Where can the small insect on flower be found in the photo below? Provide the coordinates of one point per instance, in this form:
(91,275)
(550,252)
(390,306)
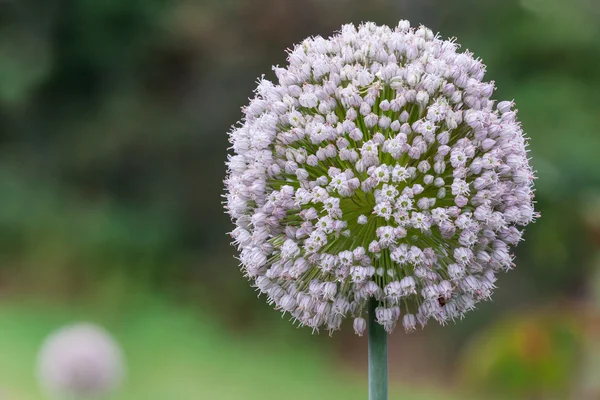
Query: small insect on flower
(377,165)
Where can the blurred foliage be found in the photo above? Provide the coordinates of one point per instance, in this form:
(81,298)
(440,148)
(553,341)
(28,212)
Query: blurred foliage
(533,356)
(117,111)
(113,121)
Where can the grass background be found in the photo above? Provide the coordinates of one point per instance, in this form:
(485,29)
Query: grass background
(175,353)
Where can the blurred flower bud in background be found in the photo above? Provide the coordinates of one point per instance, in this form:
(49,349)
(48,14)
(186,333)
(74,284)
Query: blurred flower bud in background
(80,361)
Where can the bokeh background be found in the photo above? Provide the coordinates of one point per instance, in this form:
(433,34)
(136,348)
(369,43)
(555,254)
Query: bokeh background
(113,121)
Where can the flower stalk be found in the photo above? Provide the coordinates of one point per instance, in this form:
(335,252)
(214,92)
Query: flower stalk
(378,357)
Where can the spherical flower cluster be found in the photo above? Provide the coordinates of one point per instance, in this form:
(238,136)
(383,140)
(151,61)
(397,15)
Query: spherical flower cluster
(80,361)
(377,167)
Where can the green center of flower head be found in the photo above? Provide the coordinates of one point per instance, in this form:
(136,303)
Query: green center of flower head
(378,167)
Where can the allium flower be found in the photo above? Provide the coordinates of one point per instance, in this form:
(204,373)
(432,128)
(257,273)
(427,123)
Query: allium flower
(80,361)
(378,167)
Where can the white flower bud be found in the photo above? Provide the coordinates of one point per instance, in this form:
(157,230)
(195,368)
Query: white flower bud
(360,325)
(403,25)
(384,105)
(422,98)
(365,109)
(409,322)
(505,106)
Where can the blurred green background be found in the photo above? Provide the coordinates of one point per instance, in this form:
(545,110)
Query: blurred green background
(113,121)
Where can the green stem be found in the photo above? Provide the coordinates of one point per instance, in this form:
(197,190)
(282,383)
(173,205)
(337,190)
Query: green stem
(378,358)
